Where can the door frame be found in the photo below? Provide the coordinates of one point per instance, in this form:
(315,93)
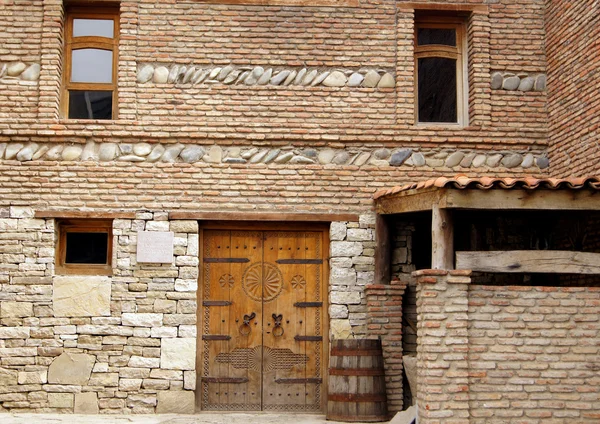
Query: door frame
(320,227)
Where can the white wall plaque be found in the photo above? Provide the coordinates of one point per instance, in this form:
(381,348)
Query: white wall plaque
(155,247)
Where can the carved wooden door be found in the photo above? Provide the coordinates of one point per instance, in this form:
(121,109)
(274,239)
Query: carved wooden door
(262,320)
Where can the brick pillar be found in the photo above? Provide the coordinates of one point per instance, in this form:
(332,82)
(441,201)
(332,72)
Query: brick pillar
(442,346)
(384,319)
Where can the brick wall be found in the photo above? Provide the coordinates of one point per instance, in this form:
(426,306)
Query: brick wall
(534,354)
(573,101)
(376,36)
(510,354)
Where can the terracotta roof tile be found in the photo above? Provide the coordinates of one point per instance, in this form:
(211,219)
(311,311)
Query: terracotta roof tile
(486,183)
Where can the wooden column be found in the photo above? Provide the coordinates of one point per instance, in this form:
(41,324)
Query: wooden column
(383,251)
(442,239)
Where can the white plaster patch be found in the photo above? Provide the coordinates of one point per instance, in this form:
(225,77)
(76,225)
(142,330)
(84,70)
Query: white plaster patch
(155,247)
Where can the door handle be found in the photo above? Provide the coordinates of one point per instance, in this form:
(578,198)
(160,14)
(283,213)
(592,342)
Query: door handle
(245,328)
(277,328)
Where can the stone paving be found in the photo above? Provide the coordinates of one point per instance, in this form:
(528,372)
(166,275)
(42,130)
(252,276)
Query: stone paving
(200,418)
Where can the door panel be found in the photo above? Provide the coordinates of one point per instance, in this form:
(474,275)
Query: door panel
(262,344)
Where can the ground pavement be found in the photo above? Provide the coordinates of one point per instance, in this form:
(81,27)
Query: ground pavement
(200,418)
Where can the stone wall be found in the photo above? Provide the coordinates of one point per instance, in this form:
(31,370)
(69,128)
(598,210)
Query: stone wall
(510,354)
(352,266)
(89,344)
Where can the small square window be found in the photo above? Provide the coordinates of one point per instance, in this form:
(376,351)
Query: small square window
(439,64)
(91,57)
(84,247)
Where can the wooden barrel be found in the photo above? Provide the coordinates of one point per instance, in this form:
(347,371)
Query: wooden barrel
(356,382)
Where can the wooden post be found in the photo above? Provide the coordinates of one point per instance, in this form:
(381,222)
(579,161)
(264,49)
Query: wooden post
(442,239)
(383,251)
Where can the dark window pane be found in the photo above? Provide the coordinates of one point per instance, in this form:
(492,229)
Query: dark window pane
(443,36)
(92,65)
(93,27)
(86,248)
(90,104)
(437,90)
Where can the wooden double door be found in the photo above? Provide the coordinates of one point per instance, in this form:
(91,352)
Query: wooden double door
(262,320)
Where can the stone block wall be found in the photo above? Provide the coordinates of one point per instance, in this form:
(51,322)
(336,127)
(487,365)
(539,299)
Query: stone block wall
(506,354)
(89,344)
(352,267)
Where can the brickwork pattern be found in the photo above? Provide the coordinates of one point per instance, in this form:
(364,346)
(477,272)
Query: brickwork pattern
(534,354)
(375,36)
(384,320)
(573,102)
(442,352)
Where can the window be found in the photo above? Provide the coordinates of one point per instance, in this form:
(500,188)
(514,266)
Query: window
(90,71)
(84,247)
(439,66)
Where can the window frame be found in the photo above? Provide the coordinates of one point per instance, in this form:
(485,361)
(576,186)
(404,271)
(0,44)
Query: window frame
(65,226)
(90,42)
(458,53)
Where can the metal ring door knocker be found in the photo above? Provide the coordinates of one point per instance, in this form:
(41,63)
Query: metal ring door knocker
(245,328)
(277,328)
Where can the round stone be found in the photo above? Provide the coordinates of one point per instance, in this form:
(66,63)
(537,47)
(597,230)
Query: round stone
(107,152)
(187,77)
(371,79)
(319,78)
(399,157)
(454,159)
(527,161)
(15,69)
(280,77)
(335,79)
(170,154)
(145,74)
(156,153)
(173,74)
(12,150)
(497,81)
(224,72)
(161,75)
(55,152)
(386,81)
(72,153)
(310,77)
(192,154)
(26,154)
(232,76)
(301,159)
(142,149)
(290,78)
(511,83)
(32,73)
(355,80)
(418,159)
(271,155)
(214,155)
(479,161)
(326,156)
(259,156)
(540,83)
(265,77)
(131,158)
(526,84)
(362,158)
(493,160)
(512,161)
(89,152)
(467,160)
(542,162)
(381,153)
(254,75)
(300,76)
(341,158)
(285,157)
